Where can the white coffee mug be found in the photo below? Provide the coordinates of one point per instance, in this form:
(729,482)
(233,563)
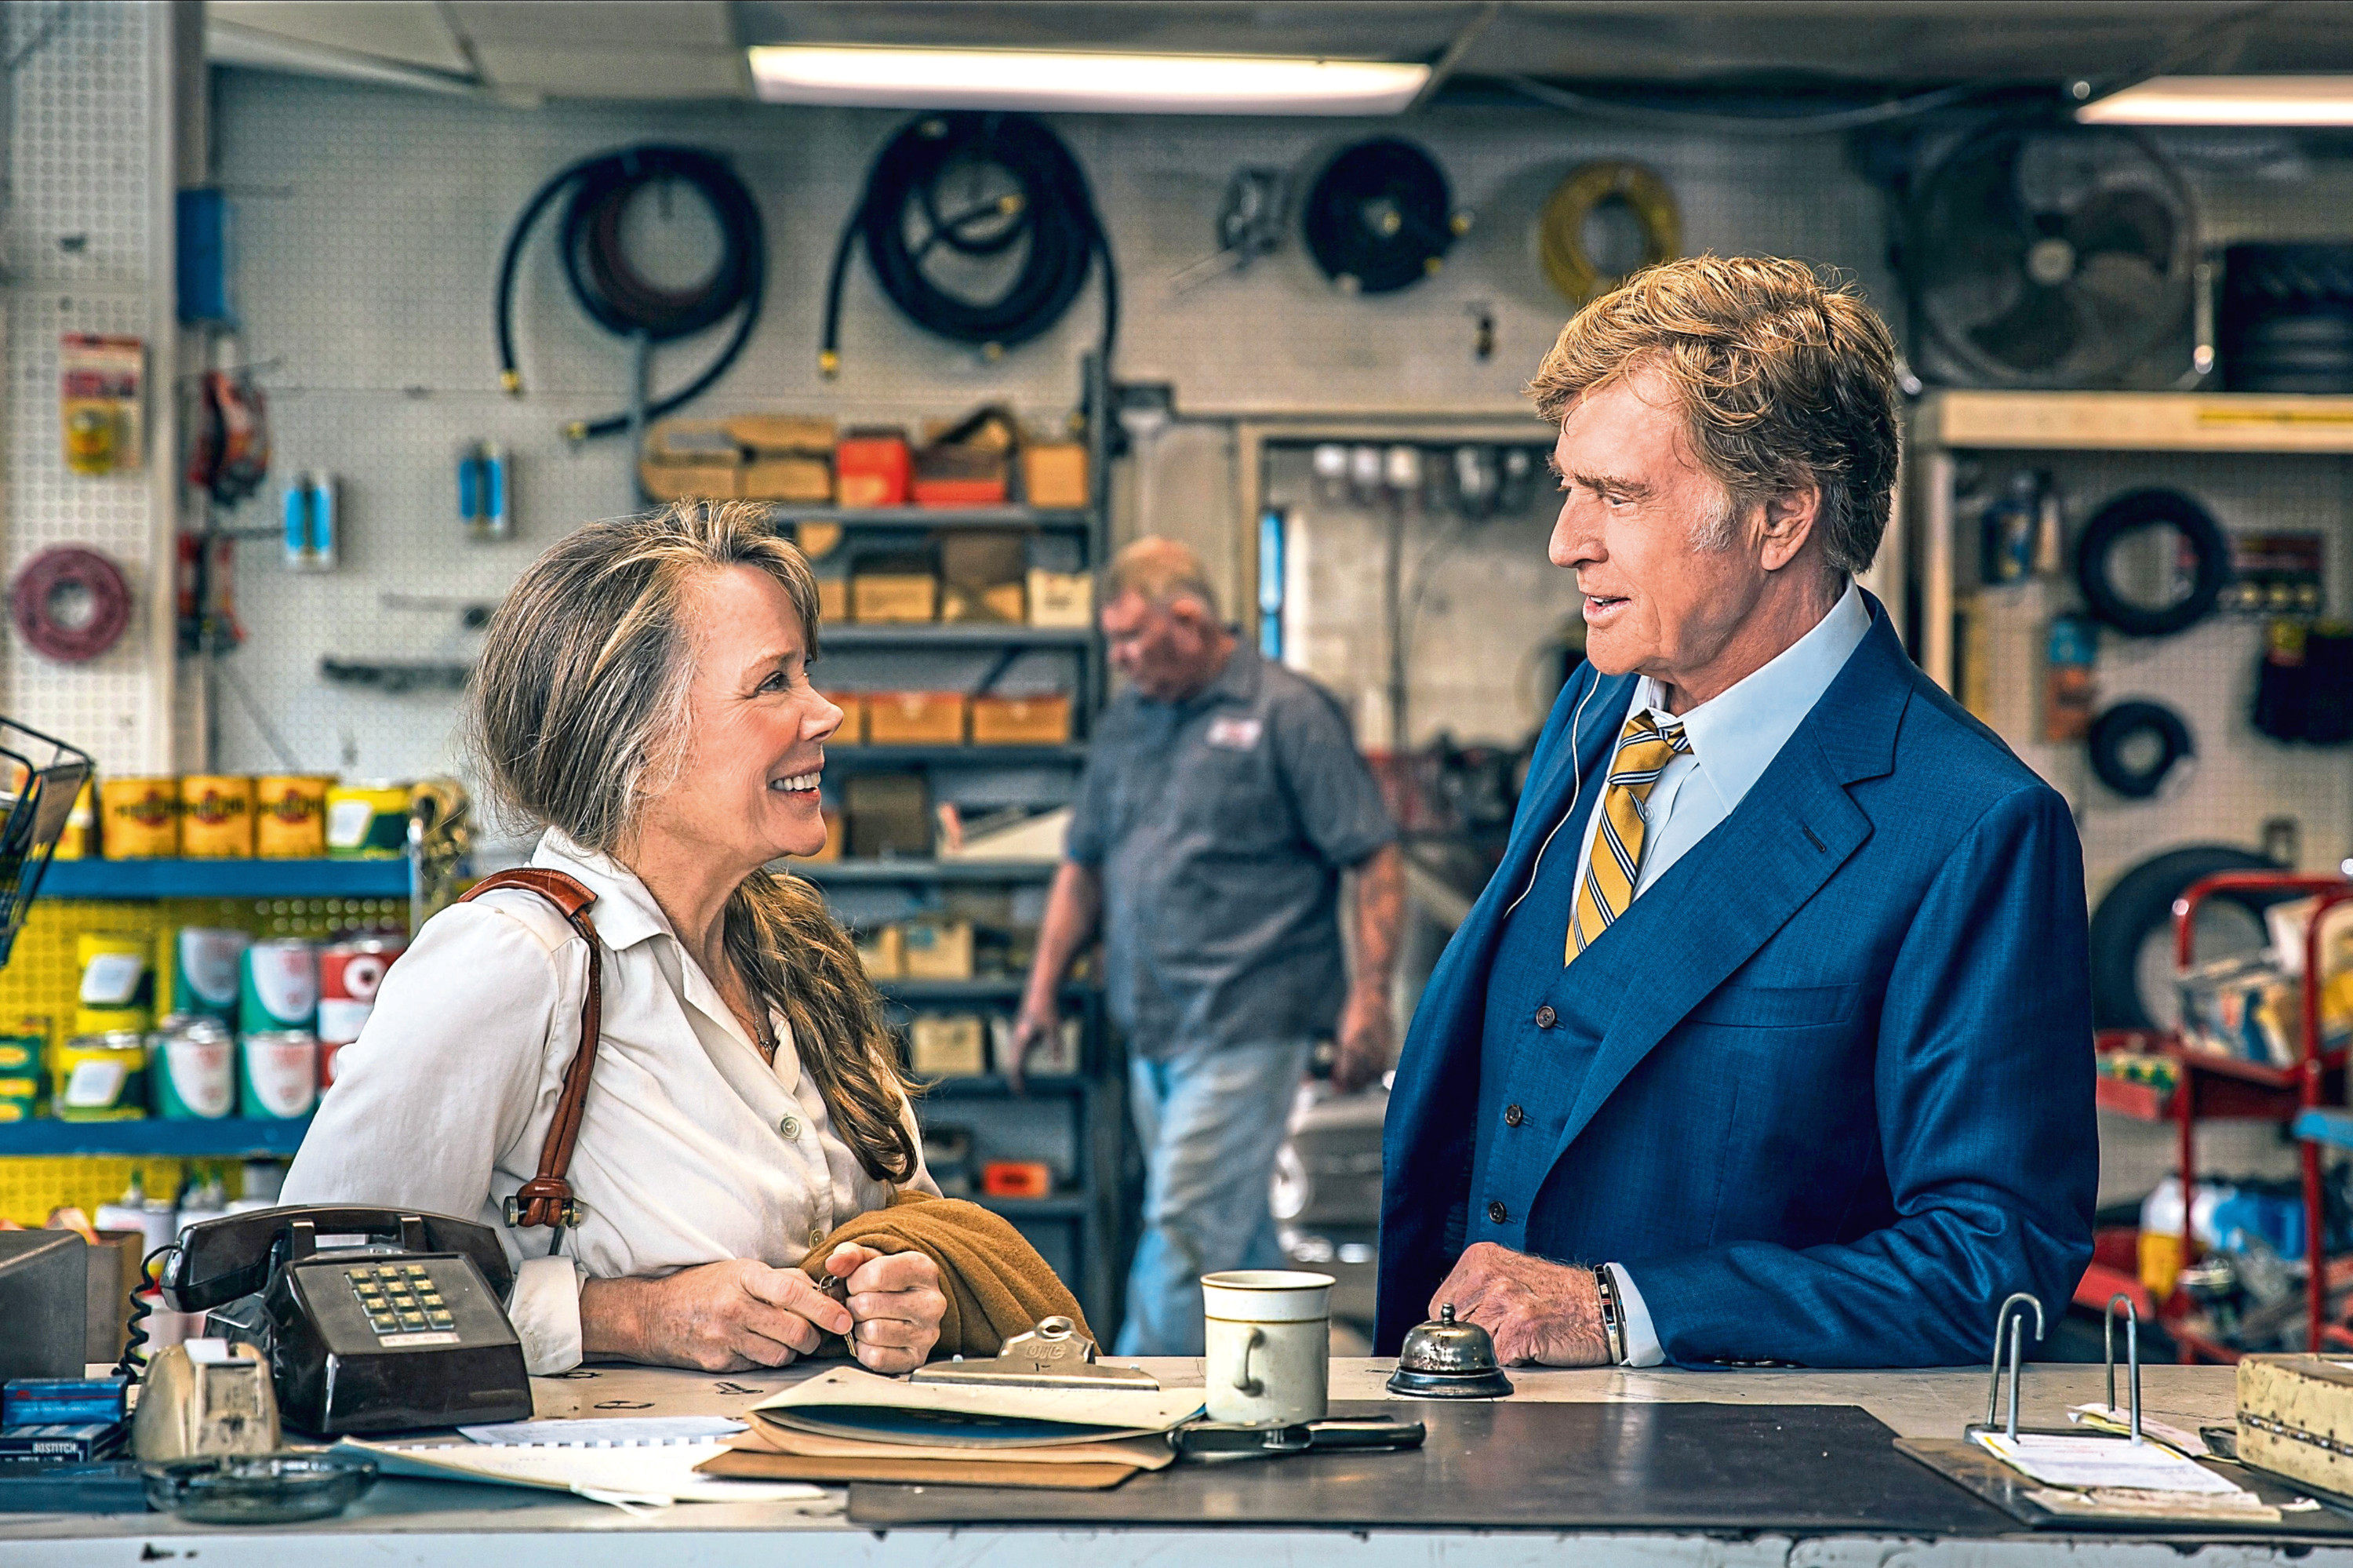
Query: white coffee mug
(1270,1344)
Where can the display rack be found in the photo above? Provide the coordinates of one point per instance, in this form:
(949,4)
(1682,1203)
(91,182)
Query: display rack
(1083,1222)
(2302,1096)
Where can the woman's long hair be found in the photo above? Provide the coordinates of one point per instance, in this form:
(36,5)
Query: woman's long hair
(577,714)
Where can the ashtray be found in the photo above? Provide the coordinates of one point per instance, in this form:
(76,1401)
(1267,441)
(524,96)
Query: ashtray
(259,1488)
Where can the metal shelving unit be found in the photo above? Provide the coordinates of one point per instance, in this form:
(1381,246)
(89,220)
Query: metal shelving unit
(226,879)
(1088,1106)
(229,1138)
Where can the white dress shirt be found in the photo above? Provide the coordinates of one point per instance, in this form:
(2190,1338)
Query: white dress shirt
(1734,736)
(692,1148)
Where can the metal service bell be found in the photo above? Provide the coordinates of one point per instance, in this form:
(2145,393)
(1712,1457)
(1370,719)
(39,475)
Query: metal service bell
(1447,1359)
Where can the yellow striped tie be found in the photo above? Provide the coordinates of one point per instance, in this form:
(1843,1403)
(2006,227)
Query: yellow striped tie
(1616,862)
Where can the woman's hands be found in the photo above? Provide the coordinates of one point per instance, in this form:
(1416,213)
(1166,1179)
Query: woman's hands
(896,1300)
(716,1317)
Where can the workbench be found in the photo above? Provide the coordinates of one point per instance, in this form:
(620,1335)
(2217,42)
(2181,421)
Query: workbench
(404,1523)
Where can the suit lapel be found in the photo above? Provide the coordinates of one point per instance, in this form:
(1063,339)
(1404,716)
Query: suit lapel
(1724,899)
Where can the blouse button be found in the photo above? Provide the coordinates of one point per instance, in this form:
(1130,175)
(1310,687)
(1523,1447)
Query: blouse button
(1545,1017)
(791,1127)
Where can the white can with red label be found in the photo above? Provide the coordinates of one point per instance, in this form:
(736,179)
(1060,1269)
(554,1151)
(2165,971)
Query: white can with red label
(349,976)
(280,1077)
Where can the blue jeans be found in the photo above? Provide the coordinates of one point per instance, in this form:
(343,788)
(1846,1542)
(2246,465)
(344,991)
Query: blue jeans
(1211,1120)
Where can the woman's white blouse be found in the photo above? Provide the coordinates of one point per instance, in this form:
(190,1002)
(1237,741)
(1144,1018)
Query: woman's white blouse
(692,1148)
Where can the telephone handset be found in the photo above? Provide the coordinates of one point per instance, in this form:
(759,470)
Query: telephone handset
(374,1319)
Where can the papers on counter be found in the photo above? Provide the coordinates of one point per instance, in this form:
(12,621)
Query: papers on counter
(654,1476)
(619,1432)
(2082,1464)
(851,1402)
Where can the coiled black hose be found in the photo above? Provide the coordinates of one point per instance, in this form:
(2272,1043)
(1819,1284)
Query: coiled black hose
(618,298)
(1051,207)
(136,1326)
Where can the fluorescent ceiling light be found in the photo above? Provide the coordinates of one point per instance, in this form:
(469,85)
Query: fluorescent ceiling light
(2227,100)
(1127,84)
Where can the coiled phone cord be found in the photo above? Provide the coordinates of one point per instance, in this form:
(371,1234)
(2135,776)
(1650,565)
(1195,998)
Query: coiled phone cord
(128,1366)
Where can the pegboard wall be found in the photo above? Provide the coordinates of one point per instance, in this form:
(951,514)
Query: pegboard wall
(82,250)
(2241,777)
(369,226)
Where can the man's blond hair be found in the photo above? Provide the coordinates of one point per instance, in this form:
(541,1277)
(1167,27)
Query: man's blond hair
(1162,571)
(1779,379)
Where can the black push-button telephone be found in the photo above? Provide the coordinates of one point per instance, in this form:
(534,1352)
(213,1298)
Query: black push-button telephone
(374,1319)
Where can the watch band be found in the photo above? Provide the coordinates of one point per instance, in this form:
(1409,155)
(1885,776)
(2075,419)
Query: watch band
(1613,1321)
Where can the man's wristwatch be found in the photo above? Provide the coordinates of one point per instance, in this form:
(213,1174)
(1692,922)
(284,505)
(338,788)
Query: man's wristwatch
(1613,1321)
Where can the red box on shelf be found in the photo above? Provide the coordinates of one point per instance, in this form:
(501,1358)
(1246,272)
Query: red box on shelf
(1017,1179)
(871,467)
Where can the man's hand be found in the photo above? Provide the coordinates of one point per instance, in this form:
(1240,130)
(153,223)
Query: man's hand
(1367,1039)
(895,1298)
(1036,1024)
(1548,1313)
(716,1317)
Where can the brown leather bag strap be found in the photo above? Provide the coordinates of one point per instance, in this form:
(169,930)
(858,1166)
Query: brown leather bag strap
(546,1198)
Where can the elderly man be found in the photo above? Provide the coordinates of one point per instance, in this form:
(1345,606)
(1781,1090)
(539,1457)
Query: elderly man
(1770,1039)
(1222,801)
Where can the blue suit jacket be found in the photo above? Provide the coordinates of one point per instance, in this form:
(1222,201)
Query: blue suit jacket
(1836,1091)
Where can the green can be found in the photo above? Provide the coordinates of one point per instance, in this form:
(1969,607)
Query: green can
(192,1070)
(277,1077)
(280,986)
(207,963)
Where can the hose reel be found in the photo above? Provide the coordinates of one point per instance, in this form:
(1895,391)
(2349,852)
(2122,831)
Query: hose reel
(1560,235)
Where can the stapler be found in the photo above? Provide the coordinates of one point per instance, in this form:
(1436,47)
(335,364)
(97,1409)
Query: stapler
(1054,1354)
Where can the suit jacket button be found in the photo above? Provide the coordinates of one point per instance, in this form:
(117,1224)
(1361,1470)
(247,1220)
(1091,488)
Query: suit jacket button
(1513,1115)
(1546,1016)
(1497,1213)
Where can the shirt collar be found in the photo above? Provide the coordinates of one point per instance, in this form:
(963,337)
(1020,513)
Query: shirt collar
(625,912)
(1236,682)
(1735,735)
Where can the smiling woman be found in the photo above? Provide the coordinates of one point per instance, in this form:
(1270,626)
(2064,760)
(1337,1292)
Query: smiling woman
(643,696)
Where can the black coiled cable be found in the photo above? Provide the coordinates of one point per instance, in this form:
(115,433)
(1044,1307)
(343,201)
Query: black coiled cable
(615,295)
(136,1326)
(1051,208)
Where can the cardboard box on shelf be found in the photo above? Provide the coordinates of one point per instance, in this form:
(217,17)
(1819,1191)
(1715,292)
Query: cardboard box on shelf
(893,598)
(1005,603)
(1062,598)
(983,558)
(890,813)
(1021,720)
(1054,476)
(914,718)
(769,477)
(833,599)
(947,1045)
(1055,1057)
(937,950)
(818,540)
(966,462)
(883,952)
(798,435)
(854,717)
(872,468)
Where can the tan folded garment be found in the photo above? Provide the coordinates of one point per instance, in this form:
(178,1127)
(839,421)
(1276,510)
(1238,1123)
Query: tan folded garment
(996,1283)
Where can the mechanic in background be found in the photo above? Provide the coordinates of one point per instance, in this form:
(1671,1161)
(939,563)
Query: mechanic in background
(1222,801)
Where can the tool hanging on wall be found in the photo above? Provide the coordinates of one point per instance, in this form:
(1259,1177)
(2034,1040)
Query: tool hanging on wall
(619,298)
(982,187)
(1568,264)
(1250,220)
(2129,514)
(482,503)
(2286,318)
(1379,217)
(2305,683)
(312,526)
(229,456)
(70,604)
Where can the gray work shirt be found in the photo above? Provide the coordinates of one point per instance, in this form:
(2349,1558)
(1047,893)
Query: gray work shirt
(1219,827)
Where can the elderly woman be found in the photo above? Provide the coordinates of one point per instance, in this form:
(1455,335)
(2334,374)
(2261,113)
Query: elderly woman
(644,696)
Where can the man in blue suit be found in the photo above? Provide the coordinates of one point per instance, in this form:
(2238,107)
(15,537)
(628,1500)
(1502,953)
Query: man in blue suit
(1770,1039)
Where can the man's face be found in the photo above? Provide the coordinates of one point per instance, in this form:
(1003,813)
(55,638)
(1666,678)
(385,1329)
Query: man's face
(1634,499)
(1163,649)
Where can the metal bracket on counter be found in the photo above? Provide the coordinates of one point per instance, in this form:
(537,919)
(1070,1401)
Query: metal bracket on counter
(2009,1323)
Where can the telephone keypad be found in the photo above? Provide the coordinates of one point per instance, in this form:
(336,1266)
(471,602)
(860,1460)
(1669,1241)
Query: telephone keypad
(400,1298)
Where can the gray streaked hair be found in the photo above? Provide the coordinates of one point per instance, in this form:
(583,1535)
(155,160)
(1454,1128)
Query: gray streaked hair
(577,716)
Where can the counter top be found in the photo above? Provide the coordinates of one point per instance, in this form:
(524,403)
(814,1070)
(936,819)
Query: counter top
(403,1522)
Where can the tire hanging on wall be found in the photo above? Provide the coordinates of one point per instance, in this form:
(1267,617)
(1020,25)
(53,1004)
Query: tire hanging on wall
(2113,733)
(2139,906)
(1560,234)
(2127,514)
(70,569)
